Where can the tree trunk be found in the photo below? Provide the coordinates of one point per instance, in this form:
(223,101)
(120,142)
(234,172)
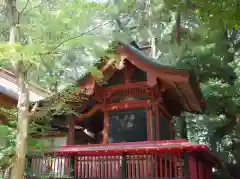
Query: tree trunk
(23,96)
(22,128)
(178,28)
(152,38)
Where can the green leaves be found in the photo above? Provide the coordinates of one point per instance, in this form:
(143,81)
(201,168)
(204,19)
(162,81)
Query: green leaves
(6,131)
(8,136)
(96,73)
(29,54)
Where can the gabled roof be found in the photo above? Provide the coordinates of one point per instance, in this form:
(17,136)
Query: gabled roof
(9,87)
(182,89)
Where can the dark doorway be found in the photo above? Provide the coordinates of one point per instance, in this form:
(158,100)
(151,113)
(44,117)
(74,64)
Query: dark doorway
(127,126)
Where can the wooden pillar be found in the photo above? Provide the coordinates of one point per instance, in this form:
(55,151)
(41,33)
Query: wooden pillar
(171,128)
(157,122)
(71,131)
(193,174)
(123,168)
(186,164)
(97,137)
(200,169)
(149,124)
(167,115)
(154,125)
(105,127)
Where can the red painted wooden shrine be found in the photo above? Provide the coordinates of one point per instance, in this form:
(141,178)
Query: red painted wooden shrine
(130,114)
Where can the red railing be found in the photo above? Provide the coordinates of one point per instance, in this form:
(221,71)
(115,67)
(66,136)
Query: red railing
(168,159)
(136,166)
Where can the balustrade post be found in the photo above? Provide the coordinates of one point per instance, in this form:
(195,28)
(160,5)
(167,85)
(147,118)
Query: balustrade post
(124,166)
(186,165)
(72,166)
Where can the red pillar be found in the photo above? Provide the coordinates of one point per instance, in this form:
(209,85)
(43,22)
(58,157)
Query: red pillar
(200,170)
(105,127)
(71,131)
(149,124)
(193,168)
(169,118)
(157,122)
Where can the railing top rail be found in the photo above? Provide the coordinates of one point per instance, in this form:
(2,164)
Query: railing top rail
(174,147)
(131,147)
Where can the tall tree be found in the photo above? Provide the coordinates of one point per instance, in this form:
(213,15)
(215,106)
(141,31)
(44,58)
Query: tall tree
(13,16)
(36,32)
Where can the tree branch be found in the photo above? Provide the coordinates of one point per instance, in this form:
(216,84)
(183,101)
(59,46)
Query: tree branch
(75,37)
(34,7)
(34,108)
(122,25)
(24,8)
